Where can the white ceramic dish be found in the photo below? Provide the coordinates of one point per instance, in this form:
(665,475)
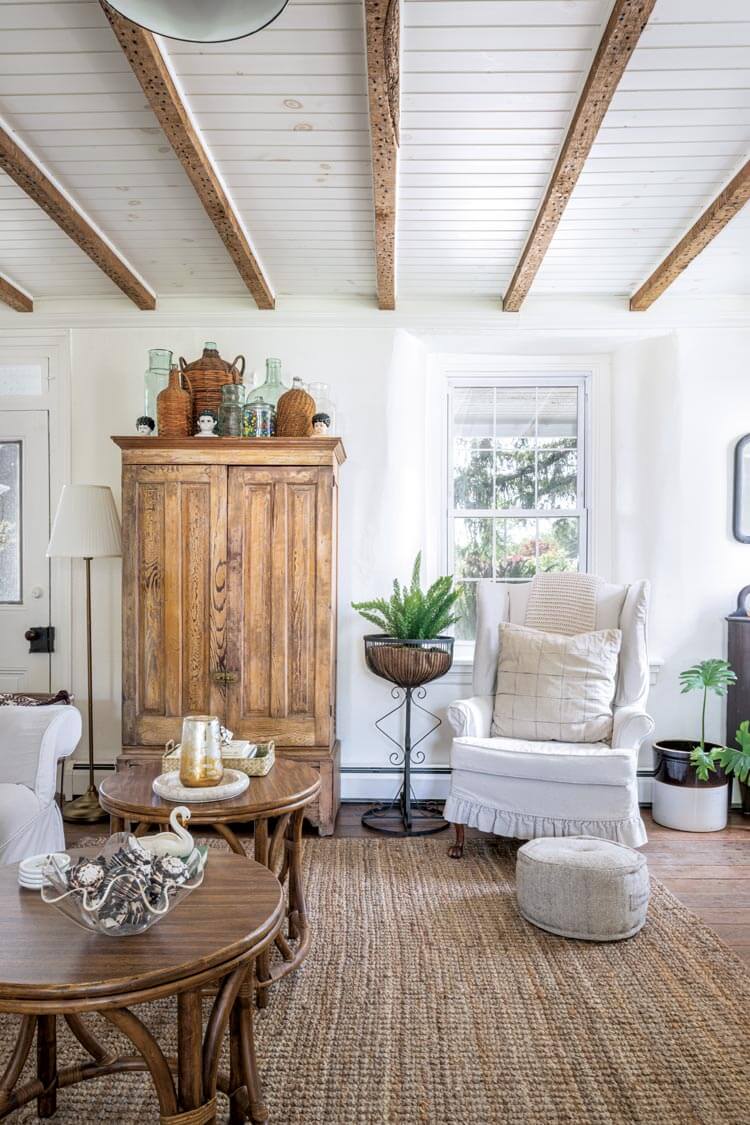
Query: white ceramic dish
(30,869)
(167,785)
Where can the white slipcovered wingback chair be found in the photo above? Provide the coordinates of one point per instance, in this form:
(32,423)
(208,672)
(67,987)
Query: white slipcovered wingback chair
(525,789)
(32,741)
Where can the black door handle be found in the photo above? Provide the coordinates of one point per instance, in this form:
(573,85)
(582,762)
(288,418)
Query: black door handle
(41,638)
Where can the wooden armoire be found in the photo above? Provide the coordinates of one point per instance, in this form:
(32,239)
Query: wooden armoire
(229,594)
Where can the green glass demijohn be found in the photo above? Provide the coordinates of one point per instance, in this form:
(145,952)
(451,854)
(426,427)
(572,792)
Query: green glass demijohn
(156,378)
(273,388)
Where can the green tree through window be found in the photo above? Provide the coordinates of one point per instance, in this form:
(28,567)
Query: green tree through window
(516,485)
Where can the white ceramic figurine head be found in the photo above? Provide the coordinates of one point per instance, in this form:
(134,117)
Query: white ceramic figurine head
(207,424)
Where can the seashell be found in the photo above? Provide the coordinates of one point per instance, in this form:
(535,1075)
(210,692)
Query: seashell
(87,874)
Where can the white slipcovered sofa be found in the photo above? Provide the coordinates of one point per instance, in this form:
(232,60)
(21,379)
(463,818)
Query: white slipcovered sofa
(32,741)
(525,789)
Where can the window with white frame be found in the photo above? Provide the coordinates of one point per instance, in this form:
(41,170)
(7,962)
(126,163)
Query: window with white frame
(517,495)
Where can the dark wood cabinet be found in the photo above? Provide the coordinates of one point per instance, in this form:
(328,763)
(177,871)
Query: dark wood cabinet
(229,594)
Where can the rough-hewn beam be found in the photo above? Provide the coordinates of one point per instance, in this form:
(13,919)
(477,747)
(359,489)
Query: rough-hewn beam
(14,297)
(623,30)
(726,205)
(155,77)
(32,178)
(383,83)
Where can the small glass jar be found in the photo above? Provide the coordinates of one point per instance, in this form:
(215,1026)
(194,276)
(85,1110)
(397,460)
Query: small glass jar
(258,418)
(200,752)
(324,404)
(155,379)
(230,410)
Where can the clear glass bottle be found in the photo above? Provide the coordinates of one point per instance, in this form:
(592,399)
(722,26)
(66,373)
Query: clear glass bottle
(230,410)
(324,404)
(273,388)
(155,379)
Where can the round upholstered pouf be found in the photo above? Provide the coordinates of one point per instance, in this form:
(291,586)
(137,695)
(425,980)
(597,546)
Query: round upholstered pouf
(582,887)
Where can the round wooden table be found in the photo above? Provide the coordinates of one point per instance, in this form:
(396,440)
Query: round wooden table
(51,967)
(129,798)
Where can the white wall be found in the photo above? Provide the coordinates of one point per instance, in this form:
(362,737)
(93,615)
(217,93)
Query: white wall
(680,399)
(680,403)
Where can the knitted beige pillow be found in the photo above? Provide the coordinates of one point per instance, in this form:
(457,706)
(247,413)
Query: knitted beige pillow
(555,688)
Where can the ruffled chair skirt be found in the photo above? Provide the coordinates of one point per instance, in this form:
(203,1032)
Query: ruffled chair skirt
(525,809)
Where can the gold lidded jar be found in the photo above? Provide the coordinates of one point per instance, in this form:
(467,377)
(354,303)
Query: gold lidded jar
(200,752)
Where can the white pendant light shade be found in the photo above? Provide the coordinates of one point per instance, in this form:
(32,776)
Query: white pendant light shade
(86,524)
(201,21)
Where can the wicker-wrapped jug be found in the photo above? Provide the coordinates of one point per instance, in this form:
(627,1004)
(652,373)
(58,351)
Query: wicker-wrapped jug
(294,413)
(174,407)
(207,376)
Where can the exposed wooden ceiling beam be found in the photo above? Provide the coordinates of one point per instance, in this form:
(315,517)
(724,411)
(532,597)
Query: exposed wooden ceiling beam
(623,30)
(726,205)
(16,298)
(152,71)
(383,25)
(35,181)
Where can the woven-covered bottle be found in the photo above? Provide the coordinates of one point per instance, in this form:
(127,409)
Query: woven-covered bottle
(207,376)
(174,407)
(294,413)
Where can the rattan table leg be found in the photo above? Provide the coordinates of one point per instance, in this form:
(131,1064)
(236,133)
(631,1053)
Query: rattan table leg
(189,1049)
(263,961)
(46,1064)
(245,1054)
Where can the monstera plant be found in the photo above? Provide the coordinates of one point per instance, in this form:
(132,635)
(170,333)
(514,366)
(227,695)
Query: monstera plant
(690,782)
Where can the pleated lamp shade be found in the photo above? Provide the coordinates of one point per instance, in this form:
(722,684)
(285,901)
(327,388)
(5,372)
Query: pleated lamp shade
(86,524)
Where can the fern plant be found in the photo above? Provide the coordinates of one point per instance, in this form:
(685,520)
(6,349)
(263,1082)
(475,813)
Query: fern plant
(412,613)
(713,676)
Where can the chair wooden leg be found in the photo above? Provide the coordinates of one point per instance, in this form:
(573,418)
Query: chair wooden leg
(457,849)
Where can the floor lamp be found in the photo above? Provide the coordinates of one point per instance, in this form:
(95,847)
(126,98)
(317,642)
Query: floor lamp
(86,527)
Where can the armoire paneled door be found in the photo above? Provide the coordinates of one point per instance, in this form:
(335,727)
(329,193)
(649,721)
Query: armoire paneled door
(229,594)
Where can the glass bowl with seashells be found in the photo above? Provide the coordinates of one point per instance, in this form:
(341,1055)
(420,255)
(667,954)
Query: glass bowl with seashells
(131,883)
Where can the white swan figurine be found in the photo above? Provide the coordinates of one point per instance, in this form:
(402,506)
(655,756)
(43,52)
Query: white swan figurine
(179,842)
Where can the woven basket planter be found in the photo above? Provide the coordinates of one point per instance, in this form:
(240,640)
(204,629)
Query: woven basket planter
(207,376)
(408,663)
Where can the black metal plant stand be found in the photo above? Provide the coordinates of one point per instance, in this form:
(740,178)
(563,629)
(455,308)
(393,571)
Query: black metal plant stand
(409,665)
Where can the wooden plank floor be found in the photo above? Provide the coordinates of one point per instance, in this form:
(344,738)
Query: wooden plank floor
(708,871)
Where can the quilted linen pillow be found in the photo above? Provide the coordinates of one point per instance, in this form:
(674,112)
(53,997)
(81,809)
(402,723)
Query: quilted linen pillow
(555,688)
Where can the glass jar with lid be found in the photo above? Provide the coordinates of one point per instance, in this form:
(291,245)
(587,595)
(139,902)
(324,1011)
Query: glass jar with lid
(230,410)
(258,418)
(156,378)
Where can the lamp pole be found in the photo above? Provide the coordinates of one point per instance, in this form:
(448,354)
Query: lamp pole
(87,807)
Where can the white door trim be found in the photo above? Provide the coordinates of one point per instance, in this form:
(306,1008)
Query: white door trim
(54,347)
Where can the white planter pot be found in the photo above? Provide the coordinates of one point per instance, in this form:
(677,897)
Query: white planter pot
(690,808)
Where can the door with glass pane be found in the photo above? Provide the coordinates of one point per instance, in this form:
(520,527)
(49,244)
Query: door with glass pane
(24,534)
(516,487)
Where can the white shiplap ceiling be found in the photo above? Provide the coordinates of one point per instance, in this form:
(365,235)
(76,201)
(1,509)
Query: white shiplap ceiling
(488,88)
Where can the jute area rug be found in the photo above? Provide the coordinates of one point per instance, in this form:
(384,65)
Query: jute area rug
(426,1000)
